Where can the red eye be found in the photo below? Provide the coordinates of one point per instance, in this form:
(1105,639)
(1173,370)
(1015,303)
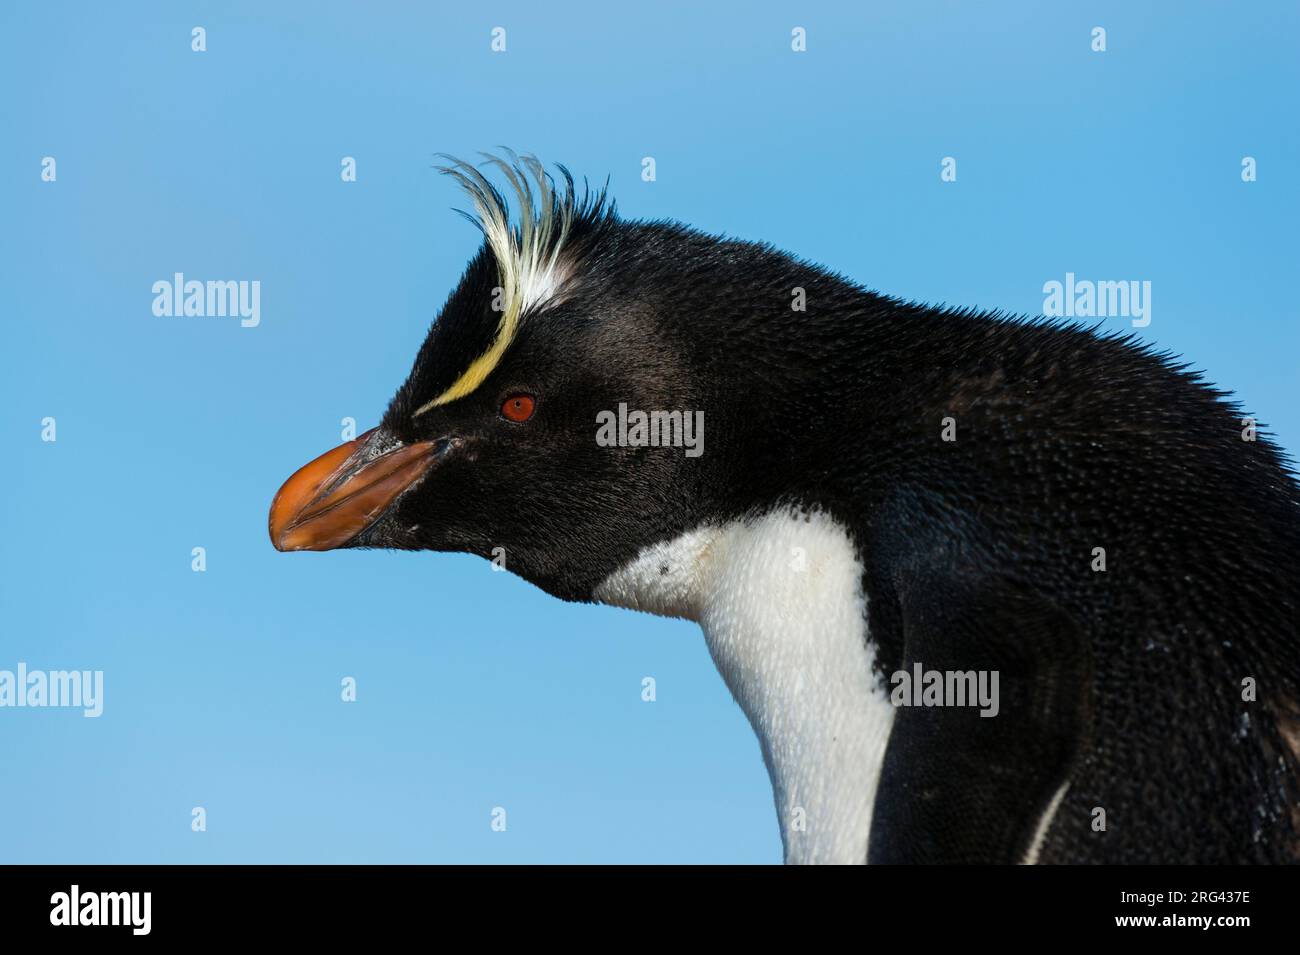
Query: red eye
(518,407)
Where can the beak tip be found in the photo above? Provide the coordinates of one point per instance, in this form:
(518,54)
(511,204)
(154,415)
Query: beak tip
(284,545)
(279,521)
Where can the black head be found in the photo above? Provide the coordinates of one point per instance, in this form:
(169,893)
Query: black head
(564,329)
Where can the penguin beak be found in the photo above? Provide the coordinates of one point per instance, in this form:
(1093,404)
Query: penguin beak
(331,500)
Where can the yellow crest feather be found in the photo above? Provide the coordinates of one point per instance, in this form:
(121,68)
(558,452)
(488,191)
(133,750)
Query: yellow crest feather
(527,255)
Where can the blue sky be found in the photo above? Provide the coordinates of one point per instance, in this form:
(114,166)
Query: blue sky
(475,690)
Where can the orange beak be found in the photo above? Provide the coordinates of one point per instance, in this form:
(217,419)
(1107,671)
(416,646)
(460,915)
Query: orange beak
(337,496)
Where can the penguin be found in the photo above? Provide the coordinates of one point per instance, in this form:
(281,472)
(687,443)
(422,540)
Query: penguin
(886,503)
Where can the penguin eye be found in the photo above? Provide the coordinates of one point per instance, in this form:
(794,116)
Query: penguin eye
(518,407)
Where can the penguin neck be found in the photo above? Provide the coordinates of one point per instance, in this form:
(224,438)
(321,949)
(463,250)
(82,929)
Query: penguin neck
(780,601)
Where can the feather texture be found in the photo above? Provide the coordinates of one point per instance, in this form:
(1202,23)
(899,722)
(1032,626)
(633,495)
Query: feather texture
(528,254)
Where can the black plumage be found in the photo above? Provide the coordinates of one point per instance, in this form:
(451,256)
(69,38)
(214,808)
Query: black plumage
(976,553)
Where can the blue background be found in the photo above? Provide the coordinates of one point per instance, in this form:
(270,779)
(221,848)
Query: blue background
(475,689)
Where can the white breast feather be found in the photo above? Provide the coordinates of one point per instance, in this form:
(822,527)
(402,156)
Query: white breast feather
(780,601)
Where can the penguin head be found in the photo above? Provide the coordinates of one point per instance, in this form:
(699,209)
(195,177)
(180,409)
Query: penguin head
(492,446)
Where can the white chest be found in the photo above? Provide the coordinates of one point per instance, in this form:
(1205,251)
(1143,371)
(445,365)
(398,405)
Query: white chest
(780,602)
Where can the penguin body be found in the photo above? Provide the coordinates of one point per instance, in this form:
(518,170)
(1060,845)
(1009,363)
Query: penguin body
(885,486)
